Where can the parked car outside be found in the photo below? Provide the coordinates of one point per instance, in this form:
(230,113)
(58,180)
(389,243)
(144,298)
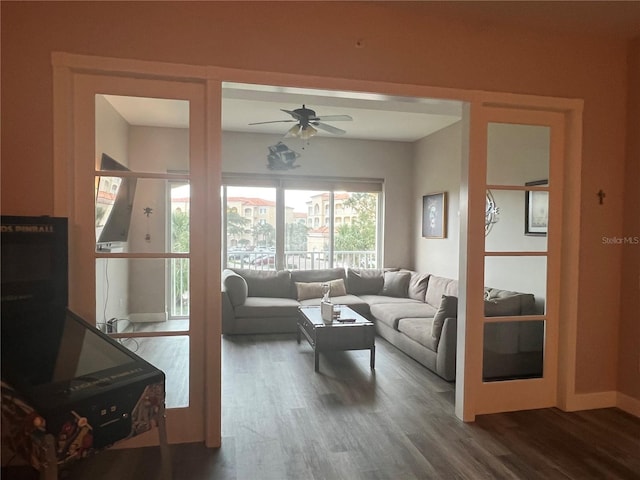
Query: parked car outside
(265,260)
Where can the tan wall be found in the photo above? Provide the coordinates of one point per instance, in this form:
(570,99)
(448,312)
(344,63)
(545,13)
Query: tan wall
(340,157)
(629,350)
(437,164)
(402,43)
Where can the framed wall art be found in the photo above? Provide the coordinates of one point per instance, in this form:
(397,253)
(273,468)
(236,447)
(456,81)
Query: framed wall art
(536,209)
(434,215)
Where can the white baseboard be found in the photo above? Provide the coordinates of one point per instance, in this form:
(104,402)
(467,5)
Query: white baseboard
(628,404)
(591,401)
(148,317)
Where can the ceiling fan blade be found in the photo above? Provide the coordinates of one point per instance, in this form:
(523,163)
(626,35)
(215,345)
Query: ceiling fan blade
(293,114)
(334,118)
(272,121)
(329,128)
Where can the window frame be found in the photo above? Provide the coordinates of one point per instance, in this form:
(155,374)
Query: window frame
(282,184)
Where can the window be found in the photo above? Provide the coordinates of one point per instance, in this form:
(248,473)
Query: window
(178,295)
(301,228)
(249,239)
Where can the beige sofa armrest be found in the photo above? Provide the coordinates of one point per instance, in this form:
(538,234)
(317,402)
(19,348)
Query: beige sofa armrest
(234,292)
(235,286)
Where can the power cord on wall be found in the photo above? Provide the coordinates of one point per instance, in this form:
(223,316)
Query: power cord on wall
(111,326)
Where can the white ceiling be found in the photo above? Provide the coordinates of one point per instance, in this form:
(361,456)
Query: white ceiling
(377,117)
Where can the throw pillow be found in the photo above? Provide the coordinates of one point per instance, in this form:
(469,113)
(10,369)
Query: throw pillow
(322,275)
(338,288)
(396,284)
(448,309)
(307,290)
(418,286)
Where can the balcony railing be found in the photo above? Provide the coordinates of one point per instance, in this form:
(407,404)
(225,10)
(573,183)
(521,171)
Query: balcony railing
(179,285)
(302,260)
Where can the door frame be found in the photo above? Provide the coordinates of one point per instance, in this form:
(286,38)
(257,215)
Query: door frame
(65,65)
(184,424)
(523,394)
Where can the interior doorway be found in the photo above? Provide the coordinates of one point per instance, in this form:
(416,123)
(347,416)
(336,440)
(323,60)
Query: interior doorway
(472,198)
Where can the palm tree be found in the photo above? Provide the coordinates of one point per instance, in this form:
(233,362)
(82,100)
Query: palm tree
(266,231)
(236,223)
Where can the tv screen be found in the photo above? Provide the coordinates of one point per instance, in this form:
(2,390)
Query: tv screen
(114,203)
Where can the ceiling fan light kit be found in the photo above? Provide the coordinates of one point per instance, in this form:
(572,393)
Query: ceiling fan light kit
(305,133)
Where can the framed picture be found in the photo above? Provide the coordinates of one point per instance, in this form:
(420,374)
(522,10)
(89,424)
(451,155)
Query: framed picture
(434,215)
(536,210)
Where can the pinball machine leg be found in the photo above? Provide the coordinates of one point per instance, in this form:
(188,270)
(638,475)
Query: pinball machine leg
(165,454)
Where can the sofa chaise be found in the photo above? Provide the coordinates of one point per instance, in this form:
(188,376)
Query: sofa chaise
(416,312)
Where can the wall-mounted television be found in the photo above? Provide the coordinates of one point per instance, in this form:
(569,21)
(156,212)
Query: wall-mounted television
(114,204)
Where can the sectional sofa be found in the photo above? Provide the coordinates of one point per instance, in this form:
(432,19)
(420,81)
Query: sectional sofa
(416,312)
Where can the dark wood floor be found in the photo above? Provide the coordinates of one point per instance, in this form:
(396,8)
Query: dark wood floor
(283,421)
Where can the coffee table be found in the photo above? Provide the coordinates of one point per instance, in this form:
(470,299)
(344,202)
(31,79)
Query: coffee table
(358,334)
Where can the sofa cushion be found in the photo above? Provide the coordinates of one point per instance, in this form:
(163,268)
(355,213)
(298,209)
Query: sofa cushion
(312,276)
(306,290)
(235,286)
(419,329)
(396,284)
(448,309)
(527,300)
(518,304)
(364,281)
(390,313)
(267,307)
(377,299)
(266,283)
(439,286)
(418,286)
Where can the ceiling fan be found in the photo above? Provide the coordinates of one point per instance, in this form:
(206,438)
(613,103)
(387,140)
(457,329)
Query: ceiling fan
(306,119)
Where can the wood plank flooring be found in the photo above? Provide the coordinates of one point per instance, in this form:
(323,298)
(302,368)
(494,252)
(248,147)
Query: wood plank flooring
(283,421)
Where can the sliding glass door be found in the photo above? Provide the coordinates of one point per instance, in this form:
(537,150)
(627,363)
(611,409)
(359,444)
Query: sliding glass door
(307,229)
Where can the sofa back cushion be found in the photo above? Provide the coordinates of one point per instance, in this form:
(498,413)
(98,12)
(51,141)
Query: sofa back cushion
(396,284)
(313,276)
(439,286)
(510,305)
(365,281)
(266,283)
